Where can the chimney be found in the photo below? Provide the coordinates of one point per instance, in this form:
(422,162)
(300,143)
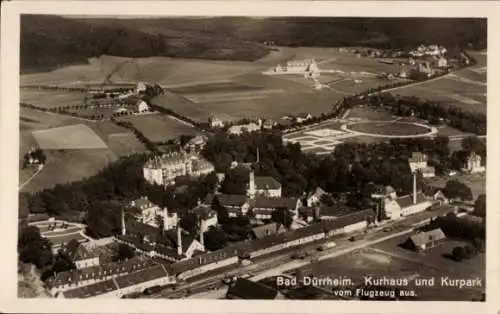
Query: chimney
(258,155)
(251,184)
(179,241)
(165,218)
(414,187)
(124,228)
(202,237)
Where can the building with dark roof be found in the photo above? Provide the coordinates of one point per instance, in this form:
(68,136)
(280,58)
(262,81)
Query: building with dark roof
(333,212)
(314,198)
(77,278)
(235,204)
(202,263)
(133,282)
(262,206)
(269,229)
(249,290)
(267,186)
(425,240)
(75,252)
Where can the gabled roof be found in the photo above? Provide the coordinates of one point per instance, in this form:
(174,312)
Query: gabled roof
(335,211)
(247,289)
(134,278)
(407,200)
(427,237)
(91,290)
(232,199)
(186,239)
(75,251)
(204,259)
(317,193)
(266,183)
(269,229)
(275,202)
(97,272)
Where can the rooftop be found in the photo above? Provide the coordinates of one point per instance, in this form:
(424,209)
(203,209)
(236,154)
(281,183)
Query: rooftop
(427,237)
(266,183)
(275,202)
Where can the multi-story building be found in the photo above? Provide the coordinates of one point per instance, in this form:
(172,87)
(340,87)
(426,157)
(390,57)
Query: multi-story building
(163,170)
(473,163)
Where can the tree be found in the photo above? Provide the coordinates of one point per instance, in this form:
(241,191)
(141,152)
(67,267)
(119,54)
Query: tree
(190,223)
(455,189)
(215,239)
(124,252)
(33,248)
(480,206)
(458,253)
(282,216)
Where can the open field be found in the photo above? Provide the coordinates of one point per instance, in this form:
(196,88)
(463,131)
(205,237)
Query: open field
(158,128)
(69,165)
(160,70)
(50,98)
(231,89)
(388,128)
(77,136)
(388,259)
(465,88)
(111,134)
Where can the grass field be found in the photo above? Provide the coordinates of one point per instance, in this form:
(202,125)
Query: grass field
(77,136)
(69,165)
(465,88)
(50,98)
(230,89)
(388,128)
(66,166)
(388,259)
(158,128)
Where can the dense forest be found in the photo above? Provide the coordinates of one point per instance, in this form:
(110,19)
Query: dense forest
(49,42)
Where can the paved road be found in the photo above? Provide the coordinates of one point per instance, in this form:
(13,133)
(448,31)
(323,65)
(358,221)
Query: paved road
(275,264)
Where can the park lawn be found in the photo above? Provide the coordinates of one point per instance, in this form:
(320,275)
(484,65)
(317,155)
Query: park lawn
(159,127)
(388,128)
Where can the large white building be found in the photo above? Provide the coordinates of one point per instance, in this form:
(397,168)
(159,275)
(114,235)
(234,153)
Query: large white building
(149,213)
(418,162)
(396,207)
(473,164)
(263,185)
(163,170)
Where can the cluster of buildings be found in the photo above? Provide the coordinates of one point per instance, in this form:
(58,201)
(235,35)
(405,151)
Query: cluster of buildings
(252,126)
(163,170)
(308,67)
(428,50)
(473,164)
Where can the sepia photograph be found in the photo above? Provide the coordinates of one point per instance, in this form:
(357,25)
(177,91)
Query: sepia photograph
(240,157)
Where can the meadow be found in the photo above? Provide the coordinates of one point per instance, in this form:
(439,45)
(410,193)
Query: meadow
(159,128)
(50,98)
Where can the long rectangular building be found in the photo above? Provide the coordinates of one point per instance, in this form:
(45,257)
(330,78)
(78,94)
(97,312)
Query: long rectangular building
(119,286)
